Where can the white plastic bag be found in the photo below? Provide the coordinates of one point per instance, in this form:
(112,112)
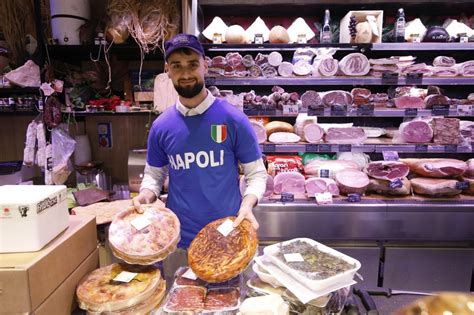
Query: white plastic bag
(63,148)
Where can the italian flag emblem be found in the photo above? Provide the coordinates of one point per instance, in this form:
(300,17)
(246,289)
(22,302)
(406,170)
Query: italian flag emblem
(218,133)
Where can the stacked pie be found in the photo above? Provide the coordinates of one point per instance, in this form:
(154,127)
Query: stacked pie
(214,257)
(147,245)
(99,292)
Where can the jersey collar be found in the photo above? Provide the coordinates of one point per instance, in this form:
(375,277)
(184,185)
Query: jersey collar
(198,110)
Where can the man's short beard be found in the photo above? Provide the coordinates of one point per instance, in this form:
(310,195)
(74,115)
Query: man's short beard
(189,92)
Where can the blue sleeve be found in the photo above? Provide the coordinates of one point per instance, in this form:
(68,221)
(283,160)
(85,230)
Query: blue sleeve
(156,156)
(246,146)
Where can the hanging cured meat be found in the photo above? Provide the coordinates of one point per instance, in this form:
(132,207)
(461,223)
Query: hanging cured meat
(214,257)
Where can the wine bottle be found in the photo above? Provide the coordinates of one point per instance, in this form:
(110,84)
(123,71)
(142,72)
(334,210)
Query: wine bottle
(400,26)
(326,34)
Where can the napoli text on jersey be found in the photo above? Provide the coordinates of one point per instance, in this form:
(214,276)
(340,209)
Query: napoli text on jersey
(202,152)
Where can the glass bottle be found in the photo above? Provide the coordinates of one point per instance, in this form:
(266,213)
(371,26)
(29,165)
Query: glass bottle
(400,26)
(326,34)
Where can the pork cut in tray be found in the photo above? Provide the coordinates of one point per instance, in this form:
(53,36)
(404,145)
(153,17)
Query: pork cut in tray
(352,135)
(387,170)
(435,187)
(352,182)
(383,187)
(355,64)
(436,167)
(289,182)
(318,185)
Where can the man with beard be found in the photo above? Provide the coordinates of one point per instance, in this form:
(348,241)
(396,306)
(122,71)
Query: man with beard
(199,142)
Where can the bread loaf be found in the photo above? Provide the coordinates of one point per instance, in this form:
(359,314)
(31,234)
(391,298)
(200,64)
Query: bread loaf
(278,126)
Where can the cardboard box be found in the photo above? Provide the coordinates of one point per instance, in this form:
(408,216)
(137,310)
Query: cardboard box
(28,279)
(63,299)
(31,216)
(361,16)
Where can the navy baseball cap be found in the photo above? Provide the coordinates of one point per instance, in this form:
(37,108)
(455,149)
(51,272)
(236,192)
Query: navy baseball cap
(183,41)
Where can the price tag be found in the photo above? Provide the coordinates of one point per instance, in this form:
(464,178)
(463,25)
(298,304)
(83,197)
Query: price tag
(210,81)
(451,148)
(189,274)
(296,257)
(409,112)
(323,198)
(353,197)
(318,111)
(258,39)
(389,77)
(464,110)
(416,39)
(338,110)
(324,148)
(324,173)
(464,39)
(287,197)
(217,38)
(302,39)
(226,227)
(390,155)
(440,110)
(414,78)
(421,148)
(365,110)
(140,223)
(462,185)
(269,148)
(396,183)
(290,109)
(311,148)
(125,276)
(345,148)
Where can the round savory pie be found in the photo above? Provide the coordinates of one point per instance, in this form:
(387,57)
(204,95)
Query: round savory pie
(149,244)
(214,257)
(98,292)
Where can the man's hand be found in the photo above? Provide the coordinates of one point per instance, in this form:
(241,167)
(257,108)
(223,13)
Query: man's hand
(145,196)
(246,211)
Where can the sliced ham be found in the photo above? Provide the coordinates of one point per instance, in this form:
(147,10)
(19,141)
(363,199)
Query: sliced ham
(316,185)
(444,61)
(268,189)
(352,135)
(382,187)
(355,64)
(313,133)
(436,167)
(260,131)
(416,131)
(289,182)
(337,97)
(435,187)
(444,71)
(284,137)
(446,130)
(327,67)
(470,168)
(285,69)
(409,102)
(387,170)
(352,182)
(310,99)
(325,168)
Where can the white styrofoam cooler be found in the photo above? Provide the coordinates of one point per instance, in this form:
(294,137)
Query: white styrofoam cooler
(31,216)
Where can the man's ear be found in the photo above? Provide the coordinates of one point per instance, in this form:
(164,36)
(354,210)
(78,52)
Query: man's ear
(167,70)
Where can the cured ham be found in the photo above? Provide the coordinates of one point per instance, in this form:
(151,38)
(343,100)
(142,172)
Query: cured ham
(382,187)
(317,185)
(324,168)
(387,170)
(436,167)
(444,61)
(352,182)
(289,182)
(327,67)
(337,97)
(352,135)
(435,187)
(416,131)
(466,69)
(313,133)
(355,64)
(446,130)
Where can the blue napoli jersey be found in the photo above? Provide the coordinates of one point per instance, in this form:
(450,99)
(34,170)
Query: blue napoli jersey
(202,152)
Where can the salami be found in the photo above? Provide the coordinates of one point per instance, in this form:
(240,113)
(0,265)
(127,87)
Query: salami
(354,64)
(446,130)
(269,72)
(217,258)
(275,59)
(310,99)
(261,59)
(328,67)
(285,69)
(52,112)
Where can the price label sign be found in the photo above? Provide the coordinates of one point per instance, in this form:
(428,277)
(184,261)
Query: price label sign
(269,147)
(365,110)
(226,227)
(421,148)
(440,110)
(125,276)
(414,78)
(311,148)
(140,223)
(462,185)
(389,77)
(464,110)
(296,257)
(290,109)
(317,111)
(451,148)
(390,155)
(411,112)
(324,173)
(323,198)
(338,110)
(396,183)
(287,197)
(324,148)
(345,148)
(353,197)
